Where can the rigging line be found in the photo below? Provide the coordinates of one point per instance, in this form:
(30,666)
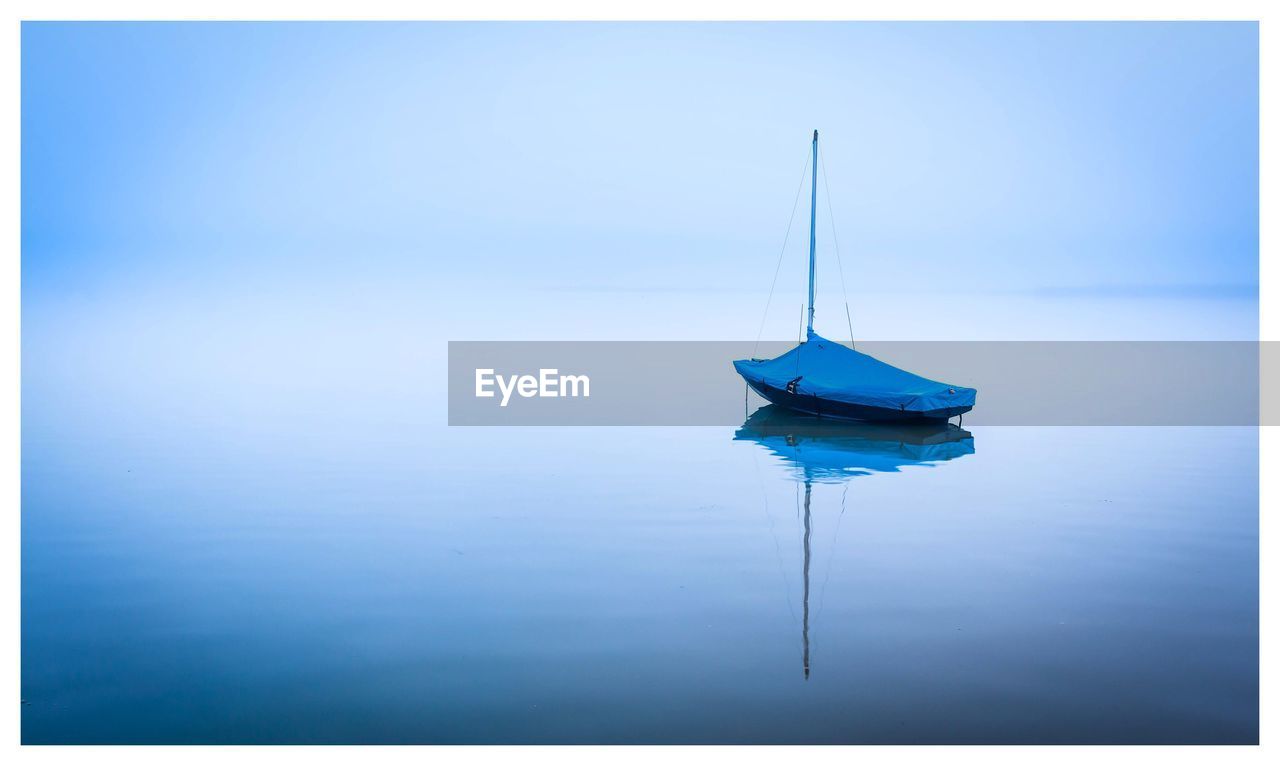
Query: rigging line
(777,548)
(778,268)
(822,596)
(799,342)
(831,214)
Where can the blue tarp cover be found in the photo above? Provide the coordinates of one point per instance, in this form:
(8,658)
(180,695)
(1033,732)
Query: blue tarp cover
(835,372)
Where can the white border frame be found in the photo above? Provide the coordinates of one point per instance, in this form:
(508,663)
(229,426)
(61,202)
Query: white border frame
(1111,10)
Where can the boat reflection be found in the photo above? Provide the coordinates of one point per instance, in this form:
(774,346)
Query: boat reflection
(826,451)
(833,451)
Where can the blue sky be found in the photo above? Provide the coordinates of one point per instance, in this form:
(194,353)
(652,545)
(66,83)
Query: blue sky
(276,201)
(509,158)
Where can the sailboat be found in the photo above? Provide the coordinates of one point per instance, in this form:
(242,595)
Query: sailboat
(828,379)
(831,452)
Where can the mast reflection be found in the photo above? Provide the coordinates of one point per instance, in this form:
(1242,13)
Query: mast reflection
(819,450)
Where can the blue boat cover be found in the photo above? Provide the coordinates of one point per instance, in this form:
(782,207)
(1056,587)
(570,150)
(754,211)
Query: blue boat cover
(835,372)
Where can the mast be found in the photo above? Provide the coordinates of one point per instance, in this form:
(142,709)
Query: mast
(813,218)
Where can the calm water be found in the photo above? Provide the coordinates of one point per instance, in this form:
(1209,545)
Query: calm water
(639,585)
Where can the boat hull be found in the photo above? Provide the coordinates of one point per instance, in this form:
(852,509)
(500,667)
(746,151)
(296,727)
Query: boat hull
(810,404)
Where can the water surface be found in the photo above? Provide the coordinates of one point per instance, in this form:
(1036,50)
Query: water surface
(426,584)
